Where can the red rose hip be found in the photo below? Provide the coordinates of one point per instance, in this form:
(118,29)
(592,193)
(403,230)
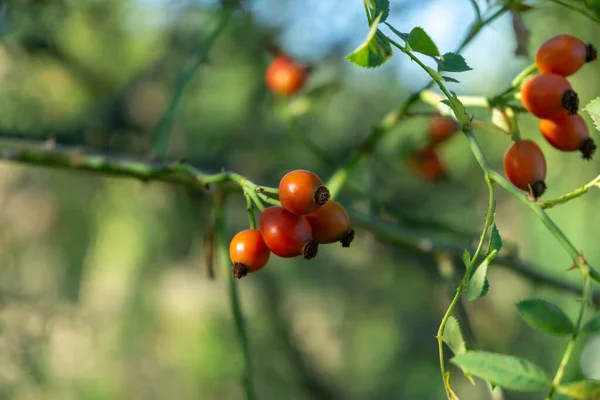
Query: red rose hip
(287,235)
(525,167)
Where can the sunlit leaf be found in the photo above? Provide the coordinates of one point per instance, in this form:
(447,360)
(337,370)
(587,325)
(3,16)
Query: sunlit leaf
(466,258)
(593,108)
(506,371)
(374,51)
(453,336)
(377,7)
(419,41)
(478,285)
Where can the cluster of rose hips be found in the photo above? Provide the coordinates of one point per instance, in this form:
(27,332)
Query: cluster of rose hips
(306,219)
(550,97)
(426,161)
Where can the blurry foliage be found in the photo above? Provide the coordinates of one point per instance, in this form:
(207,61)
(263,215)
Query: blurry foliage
(104,292)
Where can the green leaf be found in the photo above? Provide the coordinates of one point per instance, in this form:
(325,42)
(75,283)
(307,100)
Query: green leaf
(379,7)
(374,51)
(452,62)
(593,325)
(506,371)
(420,42)
(584,390)
(401,35)
(593,108)
(486,287)
(448,79)
(478,285)
(495,239)
(453,336)
(545,317)
(466,258)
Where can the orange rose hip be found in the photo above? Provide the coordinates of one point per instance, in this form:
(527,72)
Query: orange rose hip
(564,55)
(302,192)
(549,96)
(248,252)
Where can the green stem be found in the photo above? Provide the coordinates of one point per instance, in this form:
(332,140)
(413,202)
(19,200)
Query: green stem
(339,178)
(184,174)
(492,176)
(478,25)
(160,140)
(505,95)
(234,298)
(250,210)
(572,195)
(269,200)
(266,189)
(489,219)
(560,372)
(440,335)
(433,98)
(487,168)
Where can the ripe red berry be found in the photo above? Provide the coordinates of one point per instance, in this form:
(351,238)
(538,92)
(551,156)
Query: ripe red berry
(287,235)
(564,55)
(441,129)
(569,133)
(248,252)
(285,76)
(331,223)
(525,167)
(427,164)
(549,96)
(302,192)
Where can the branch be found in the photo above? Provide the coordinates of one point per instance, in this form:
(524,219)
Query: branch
(390,120)
(240,325)
(409,240)
(160,140)
(572,195)
(185,174)
(490,173)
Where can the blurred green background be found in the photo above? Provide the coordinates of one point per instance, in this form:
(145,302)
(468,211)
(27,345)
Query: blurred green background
(104,291)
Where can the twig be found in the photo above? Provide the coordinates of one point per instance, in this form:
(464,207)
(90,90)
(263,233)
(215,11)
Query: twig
(560,372)
(77,159)
(572,195)
(409,240)
(337,181)
(160,139)
(233,294)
